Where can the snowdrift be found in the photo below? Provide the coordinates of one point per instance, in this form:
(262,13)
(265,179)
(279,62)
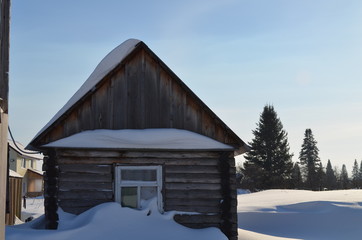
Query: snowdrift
(111,221)
(295,214)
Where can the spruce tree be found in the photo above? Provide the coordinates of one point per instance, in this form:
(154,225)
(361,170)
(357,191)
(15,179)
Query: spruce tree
(360,175)
(297,181)
(268,164)
(309,160)
(337,173)
(344,178)
(321,177)
(355,175)
(331,180)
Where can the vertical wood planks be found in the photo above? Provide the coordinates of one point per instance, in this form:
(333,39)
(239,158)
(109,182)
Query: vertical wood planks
(141,93)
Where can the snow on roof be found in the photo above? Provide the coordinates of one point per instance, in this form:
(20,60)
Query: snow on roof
(108,63)
(34,155)
(165,138)
(14,174)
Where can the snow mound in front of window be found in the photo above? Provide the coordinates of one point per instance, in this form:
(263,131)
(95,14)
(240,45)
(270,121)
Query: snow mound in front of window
(112,222)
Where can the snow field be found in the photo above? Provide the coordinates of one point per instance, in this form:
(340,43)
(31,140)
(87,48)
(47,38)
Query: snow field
(112,222)
(266,215)
(297,214)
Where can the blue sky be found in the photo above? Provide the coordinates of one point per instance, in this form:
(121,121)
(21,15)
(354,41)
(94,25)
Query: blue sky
(303,57)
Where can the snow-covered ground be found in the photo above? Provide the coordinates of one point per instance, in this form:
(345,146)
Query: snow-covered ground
(34,208)
(112,222)
(297,214)
(266,215)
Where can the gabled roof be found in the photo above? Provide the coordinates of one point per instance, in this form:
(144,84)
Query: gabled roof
(109,65)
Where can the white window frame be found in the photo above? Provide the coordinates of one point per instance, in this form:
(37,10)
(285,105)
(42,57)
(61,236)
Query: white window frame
(23,162)
(119,183)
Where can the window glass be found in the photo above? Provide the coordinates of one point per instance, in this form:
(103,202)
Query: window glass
(139,175)
(38,185)
(129,197)
(135,186)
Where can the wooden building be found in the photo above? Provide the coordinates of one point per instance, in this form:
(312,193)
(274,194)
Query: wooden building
(13,197)
(135,131)
(28,165)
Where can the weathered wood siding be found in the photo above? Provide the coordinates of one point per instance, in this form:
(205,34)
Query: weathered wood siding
(192,182)
(141,93)
(15,199)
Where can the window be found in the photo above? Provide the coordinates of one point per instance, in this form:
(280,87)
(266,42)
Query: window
(135,185)
(23,162)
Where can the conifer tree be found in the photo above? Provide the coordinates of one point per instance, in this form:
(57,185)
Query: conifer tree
(360,174)
(331,180)
(309,160)
(344,178)
(297,181)
(355,175)
(321,177)
(268,164)
(337,173)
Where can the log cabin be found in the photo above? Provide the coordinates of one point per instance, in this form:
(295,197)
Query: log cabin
(135,131)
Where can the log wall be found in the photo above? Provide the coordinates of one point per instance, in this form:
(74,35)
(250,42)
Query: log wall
(193,182)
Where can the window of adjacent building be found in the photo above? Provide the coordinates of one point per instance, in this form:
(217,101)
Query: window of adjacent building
(136,185)
(23,162)
(38,185)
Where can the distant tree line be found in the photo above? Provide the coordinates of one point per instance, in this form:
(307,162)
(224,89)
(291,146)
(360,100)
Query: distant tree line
(269,163)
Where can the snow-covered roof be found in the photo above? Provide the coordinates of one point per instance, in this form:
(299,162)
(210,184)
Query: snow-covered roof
(14,174)
(108,63)
(23,151)
(165,138)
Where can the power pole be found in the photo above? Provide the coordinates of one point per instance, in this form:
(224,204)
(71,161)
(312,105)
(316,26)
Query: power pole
(4,107)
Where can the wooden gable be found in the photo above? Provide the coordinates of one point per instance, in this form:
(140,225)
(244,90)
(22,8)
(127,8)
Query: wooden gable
(140,92)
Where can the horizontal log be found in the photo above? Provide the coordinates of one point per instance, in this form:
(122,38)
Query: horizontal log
(197,218)
(194,202)
(86,168)
(193,168)
(83,194)
(88,153)
(186,178)
(203,218)
(140,161)
(191,194)
(136,154)
(198,209)
(200,225)
(98,186)
(192,186)
(172,154)
(85,177)
(81,203)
